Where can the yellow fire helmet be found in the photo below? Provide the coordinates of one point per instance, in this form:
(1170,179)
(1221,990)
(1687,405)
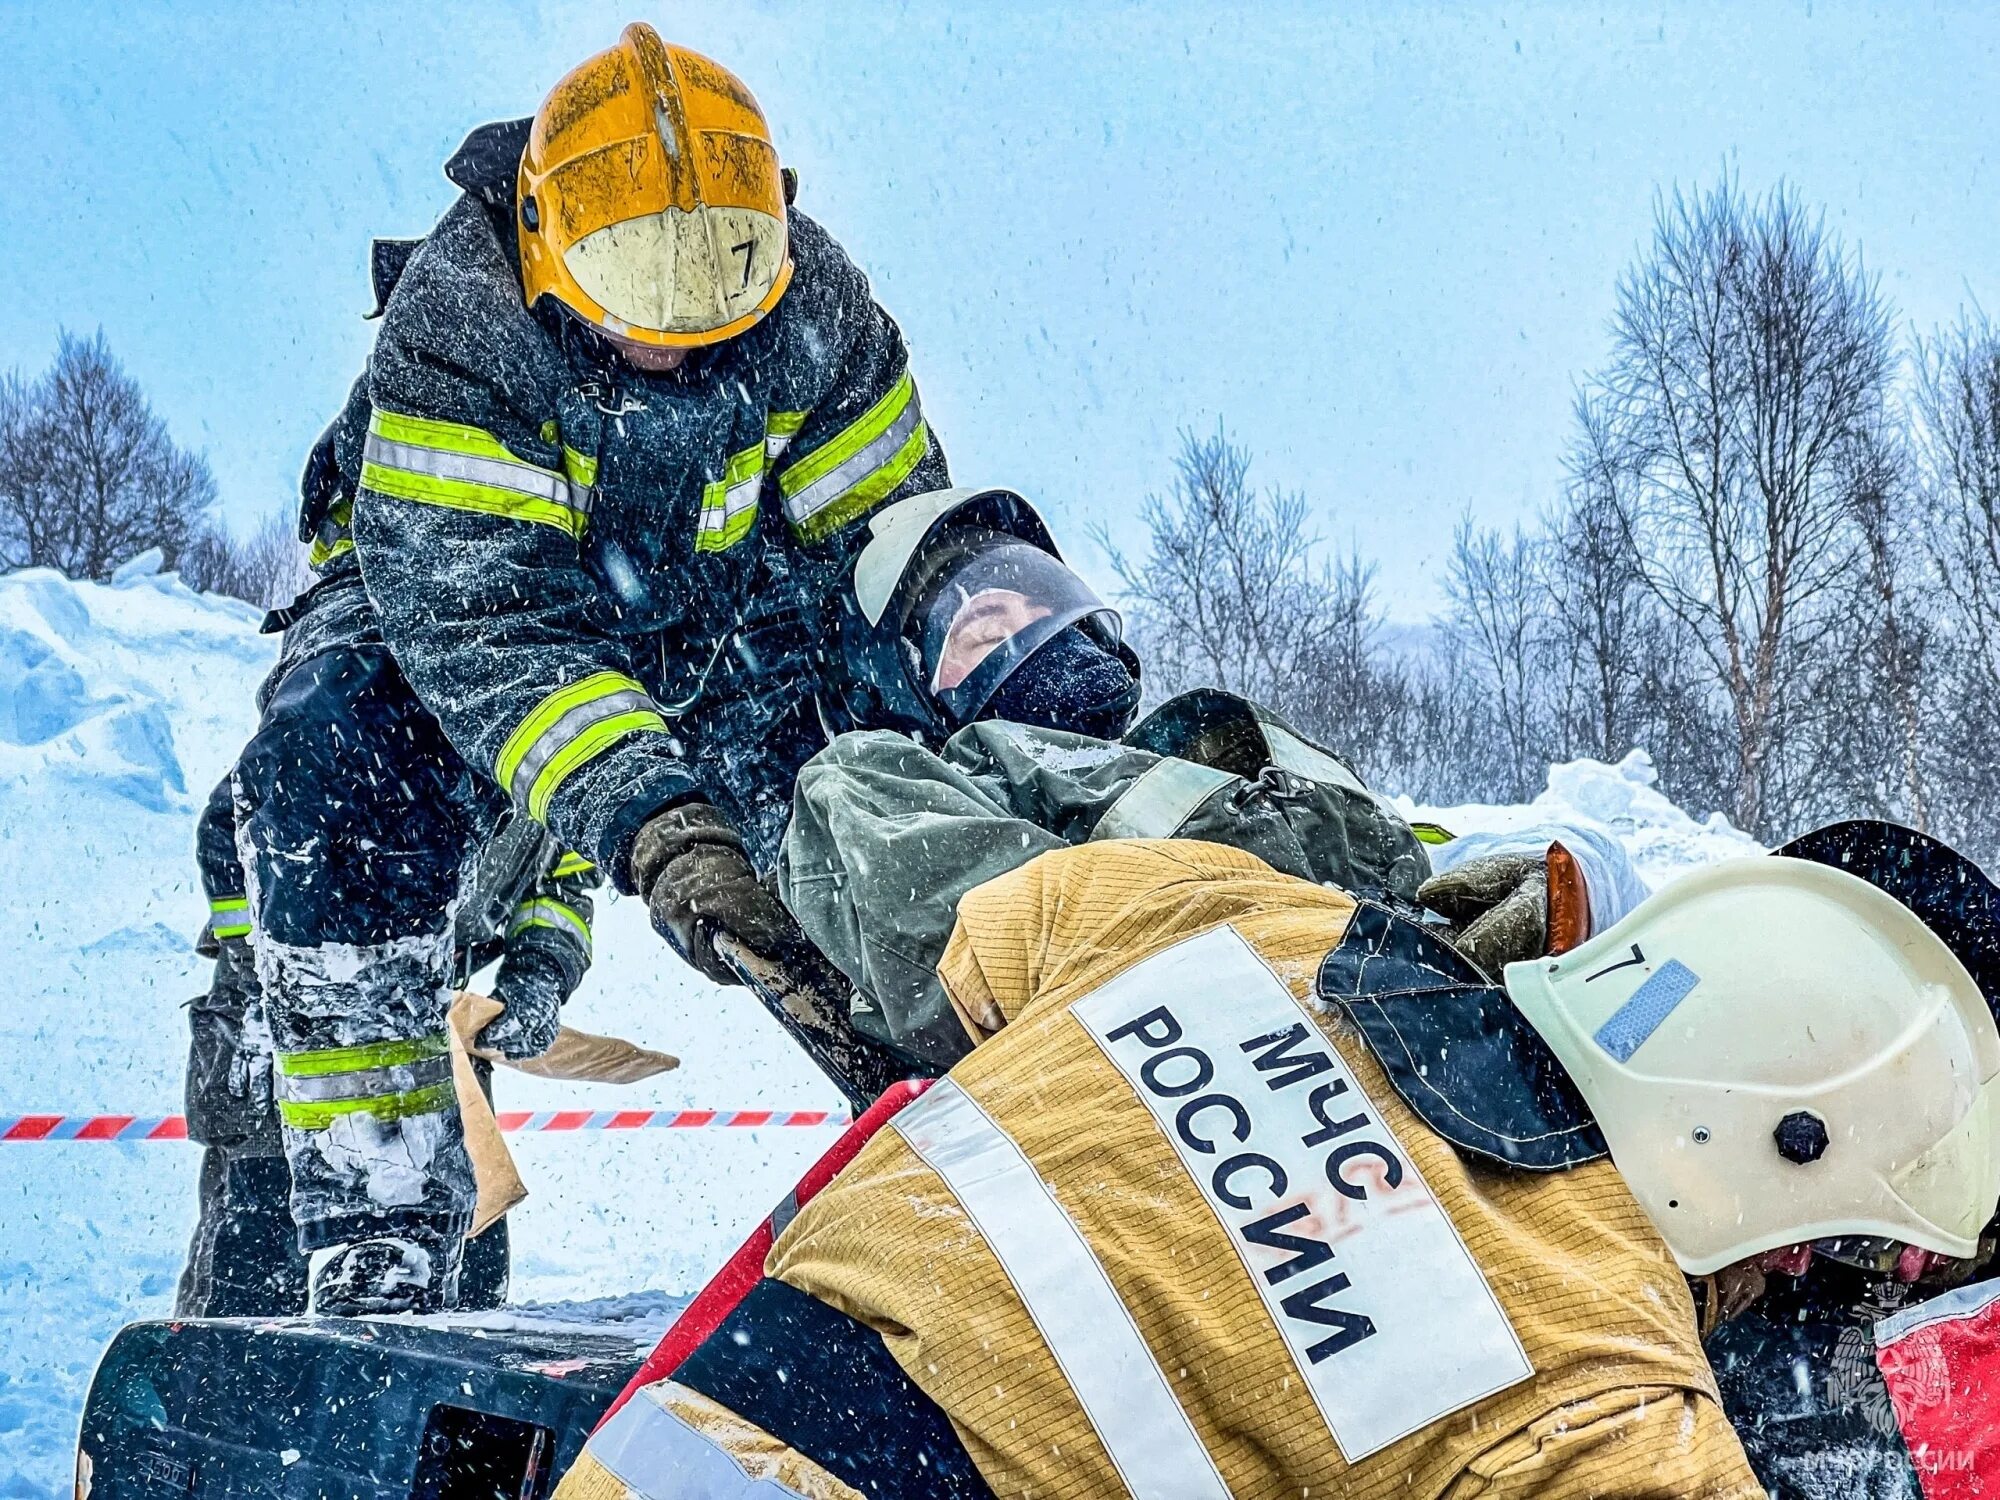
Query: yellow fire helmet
(651,202)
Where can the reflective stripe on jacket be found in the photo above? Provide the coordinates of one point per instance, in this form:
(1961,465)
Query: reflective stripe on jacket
(563,551)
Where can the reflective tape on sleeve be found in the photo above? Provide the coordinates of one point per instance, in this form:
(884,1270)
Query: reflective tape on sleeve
(566,730)
(852,472)
(1163,797)
(546,911)
(672,1443)
(729,504)
(466,468)
(1064,1288)
(780,427)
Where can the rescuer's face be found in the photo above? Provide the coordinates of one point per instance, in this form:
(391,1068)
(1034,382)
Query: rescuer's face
(646,358)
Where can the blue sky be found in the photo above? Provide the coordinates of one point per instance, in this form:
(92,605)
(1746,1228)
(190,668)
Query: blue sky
(1380,243)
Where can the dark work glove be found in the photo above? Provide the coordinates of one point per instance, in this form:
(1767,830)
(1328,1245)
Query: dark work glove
(1498,905)
(532,986)
(689,865)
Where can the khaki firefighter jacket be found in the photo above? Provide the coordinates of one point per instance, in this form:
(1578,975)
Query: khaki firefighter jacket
(1170,1231)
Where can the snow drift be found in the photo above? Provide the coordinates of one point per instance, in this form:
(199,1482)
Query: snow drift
(120,705)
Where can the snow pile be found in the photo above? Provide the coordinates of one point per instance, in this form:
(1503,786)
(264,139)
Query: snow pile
(120,705)
(1621,802)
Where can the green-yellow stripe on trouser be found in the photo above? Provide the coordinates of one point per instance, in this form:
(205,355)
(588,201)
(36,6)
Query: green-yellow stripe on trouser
(859,467)
(570,864)
(546,911)
(566,730)
(466,468)
(389,1080)
(229,916)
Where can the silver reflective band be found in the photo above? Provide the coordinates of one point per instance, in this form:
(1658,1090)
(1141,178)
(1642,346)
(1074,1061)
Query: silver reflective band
(739,497)
(550,742)
(553,915)
(1163,798)
(656,1455)
(1064,1288)
(830,486)
(365,1083)
(1303,758)
(497,473)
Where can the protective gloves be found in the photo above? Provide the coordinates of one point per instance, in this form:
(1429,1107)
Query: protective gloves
(532,986)
(689,865)
(1498,905)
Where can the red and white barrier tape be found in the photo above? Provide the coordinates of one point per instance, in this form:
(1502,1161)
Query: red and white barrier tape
(30,1128)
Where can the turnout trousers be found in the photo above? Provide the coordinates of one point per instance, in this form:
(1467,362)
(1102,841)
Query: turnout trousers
(355,822)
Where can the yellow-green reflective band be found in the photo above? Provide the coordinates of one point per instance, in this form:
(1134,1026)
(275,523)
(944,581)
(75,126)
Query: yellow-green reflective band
(229,916)
(360,1058)
(591,742)
(550,913)
(837,450)
(565,729)
(580,467)
(870,492)
(571,864)
(780,427)
(333,539)
(729,504)
(317,1114)
(856,470)
(1432,833)
(463,468)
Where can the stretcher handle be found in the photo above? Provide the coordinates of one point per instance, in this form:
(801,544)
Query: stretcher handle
(809,997)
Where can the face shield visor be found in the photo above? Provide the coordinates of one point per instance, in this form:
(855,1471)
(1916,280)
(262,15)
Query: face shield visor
(992,603)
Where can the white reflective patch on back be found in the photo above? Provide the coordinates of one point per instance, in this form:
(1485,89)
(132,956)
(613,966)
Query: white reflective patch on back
(1387,1316)
(657,1455)
(1060,1282)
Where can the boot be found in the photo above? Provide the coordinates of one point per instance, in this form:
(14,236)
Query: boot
(393,1274)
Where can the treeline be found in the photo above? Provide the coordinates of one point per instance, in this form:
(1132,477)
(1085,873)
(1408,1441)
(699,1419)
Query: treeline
(1774,563)
(90,478)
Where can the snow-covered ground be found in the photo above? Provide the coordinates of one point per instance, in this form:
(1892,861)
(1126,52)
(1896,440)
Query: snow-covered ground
(120,705)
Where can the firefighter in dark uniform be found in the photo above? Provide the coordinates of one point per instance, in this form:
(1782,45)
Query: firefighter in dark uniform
(624,413)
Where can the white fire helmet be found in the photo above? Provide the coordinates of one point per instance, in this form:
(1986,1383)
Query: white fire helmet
(1778,1052)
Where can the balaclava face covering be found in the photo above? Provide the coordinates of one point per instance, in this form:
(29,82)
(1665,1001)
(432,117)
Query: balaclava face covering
(1069,683)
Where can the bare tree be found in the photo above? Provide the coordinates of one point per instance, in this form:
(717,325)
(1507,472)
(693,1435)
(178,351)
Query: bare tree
(1225,593)
(88,474)
(267,568)
(1955,458)
(1751,360)
(1232,593)
(1497,624)
(1608,642)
